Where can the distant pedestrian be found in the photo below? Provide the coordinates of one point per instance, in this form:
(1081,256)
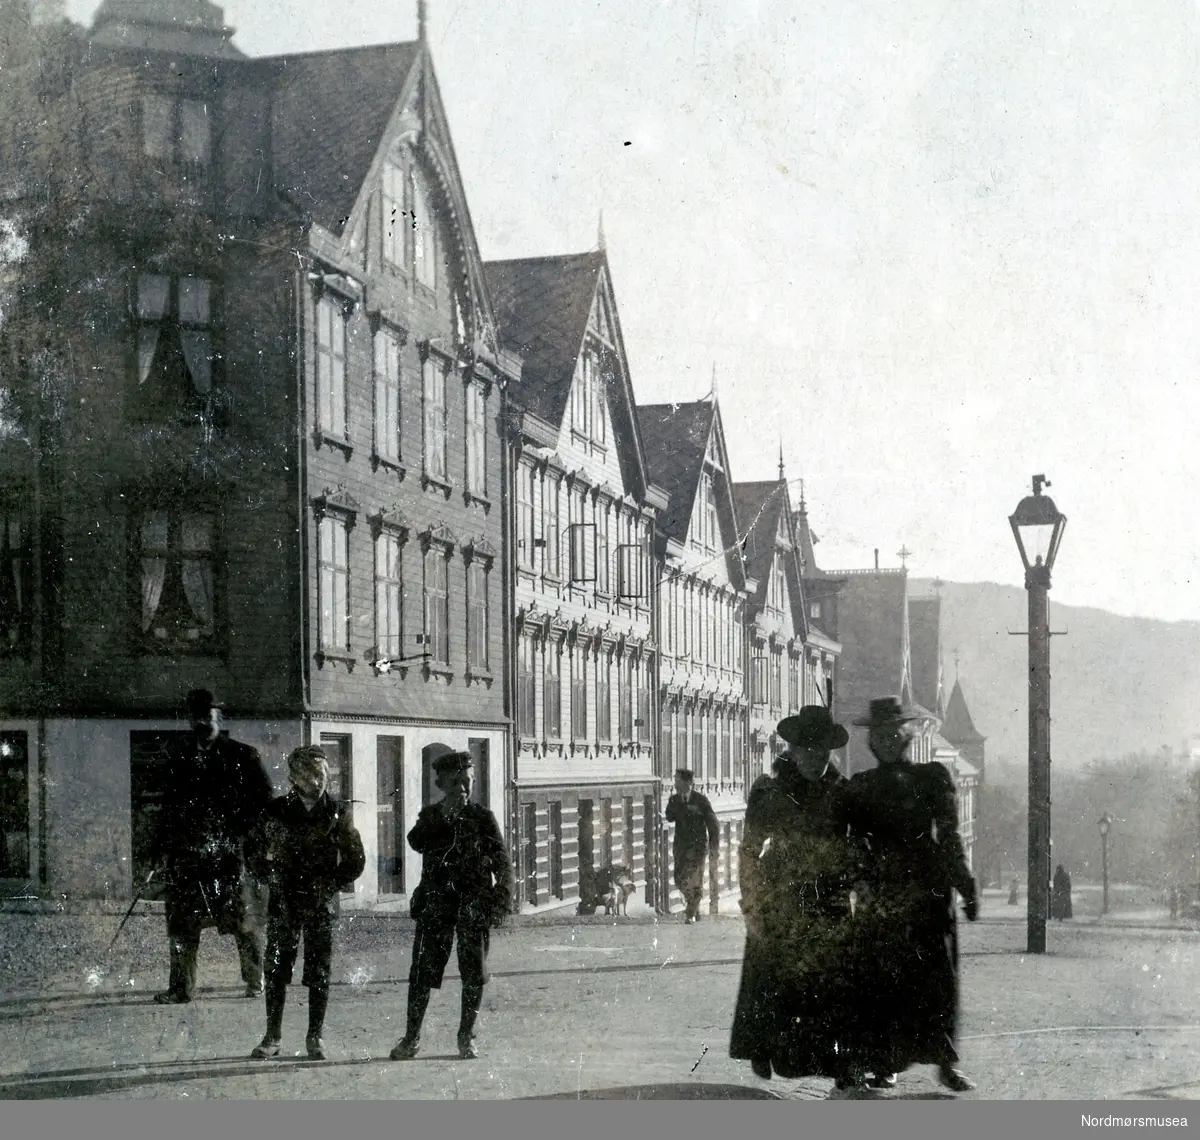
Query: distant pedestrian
(1014,893)
(1173,901)
(906,819)
(1060,894)
(216,790)
(697,833)
(795,1005)
(309,851)
(465,889)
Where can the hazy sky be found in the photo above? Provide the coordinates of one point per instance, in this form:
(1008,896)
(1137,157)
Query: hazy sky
(939,246)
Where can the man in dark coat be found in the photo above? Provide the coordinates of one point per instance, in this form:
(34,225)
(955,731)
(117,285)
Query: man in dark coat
(905,817)
(465,889)
(307,848)
(1060,897)
(795,1005)
(696,833)
(216,790)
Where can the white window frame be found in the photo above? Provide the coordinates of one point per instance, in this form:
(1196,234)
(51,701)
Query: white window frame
(330,335)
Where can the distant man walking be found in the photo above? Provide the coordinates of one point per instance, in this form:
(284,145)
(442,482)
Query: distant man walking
(696,833)
(216,790)
(465,889)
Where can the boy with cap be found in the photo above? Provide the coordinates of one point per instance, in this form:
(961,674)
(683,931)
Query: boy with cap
(309,850)
(465,888)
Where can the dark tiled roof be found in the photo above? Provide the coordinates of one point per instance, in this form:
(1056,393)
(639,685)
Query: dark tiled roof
(757,507)
(542,306)
(329,112)
(958,726)
(675,437)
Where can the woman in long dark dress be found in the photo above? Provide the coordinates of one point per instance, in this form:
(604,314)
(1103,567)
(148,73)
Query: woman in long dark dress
(795,1001)
(1060,898)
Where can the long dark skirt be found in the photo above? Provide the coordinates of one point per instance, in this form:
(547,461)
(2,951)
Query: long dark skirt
(908,984)
(795,1004)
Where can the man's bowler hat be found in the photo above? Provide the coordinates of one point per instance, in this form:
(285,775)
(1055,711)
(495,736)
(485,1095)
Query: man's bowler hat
(813,727)
(453,762)
(201,700)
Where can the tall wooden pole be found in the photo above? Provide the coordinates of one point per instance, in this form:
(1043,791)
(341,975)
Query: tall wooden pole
(1037,583)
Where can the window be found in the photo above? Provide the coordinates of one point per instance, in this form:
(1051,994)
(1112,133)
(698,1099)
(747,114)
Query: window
(424,236)
(713,754)
(389,813)
(556,853)
(476,439)
(176,572)
(814,609)
(437,605)
(526,688)
(794,666)
(177,133)
(776,680)
(631,571)
(333,559)
(331,367)
(578,695)
(603,584)
(525,516)
(481,789)
(727,748)
(550,559)
(682,739)
(341,782)
(625,699)
(758,680)
(604,698)
(16,610)
(778,586)
(434,394)
(387,396)
(552,694)
(712,528)
(599,402)
(581,543)
(581,394)
(477,615)
(395,217)
(698,745)
(388,596)
(14,805)
(643,702)
(668,739)
(174,344)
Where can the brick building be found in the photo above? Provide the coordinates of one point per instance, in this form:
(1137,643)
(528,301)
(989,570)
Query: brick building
(702,591)
(585,786)
(262,450)
(786,669)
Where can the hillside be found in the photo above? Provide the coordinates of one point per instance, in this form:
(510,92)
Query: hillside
(1119,685)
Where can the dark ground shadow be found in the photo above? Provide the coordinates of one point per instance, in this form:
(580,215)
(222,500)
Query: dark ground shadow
(691,1091)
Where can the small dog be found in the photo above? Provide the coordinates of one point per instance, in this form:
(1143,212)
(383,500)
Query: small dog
(617,889)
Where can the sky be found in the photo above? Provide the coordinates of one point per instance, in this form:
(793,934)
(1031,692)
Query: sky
(930,248)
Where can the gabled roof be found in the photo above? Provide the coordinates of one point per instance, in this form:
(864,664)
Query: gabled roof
(542,306)
(762,508)
(329,112)
(676,437)
(958,725)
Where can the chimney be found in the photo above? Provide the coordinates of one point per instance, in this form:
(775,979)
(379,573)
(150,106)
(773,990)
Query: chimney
(877,558)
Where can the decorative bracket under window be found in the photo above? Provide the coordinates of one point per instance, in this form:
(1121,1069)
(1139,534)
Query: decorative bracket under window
(380,319)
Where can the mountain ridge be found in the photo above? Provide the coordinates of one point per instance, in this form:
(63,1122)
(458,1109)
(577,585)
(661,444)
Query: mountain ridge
(1119,685)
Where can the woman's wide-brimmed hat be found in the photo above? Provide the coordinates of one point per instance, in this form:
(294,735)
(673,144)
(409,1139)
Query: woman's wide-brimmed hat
(883,712)
(812,727)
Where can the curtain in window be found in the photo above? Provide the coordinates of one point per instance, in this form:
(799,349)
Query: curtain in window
(196,542)
(154,563)
(197,352)
(152,303)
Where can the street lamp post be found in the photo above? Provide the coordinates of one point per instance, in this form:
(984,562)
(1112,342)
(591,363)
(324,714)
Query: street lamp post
(1038,527)
(1105,822)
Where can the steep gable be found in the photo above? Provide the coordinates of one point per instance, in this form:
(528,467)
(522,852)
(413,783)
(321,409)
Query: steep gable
(545,308)
(959,727)
(764,522)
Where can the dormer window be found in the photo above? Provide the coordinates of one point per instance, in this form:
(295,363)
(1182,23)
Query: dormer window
(587,397)
(177,133)
(424,236)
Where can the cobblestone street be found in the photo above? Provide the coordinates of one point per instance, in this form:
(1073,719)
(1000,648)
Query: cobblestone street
(579,1008)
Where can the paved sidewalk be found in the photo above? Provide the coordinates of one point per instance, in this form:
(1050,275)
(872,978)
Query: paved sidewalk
(574,1008)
